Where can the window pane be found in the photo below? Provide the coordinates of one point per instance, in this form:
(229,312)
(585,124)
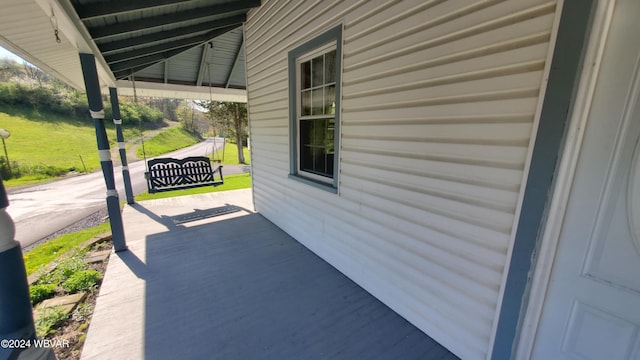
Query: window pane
(316,146)
(330,131)
(317,101)
(306,103)
(330,100)
(305,75)
(317,70)
(330,67)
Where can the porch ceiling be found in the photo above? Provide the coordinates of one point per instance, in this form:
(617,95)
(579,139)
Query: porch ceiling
(189,48)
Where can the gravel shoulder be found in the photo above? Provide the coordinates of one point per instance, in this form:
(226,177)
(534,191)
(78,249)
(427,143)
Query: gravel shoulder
(97,218)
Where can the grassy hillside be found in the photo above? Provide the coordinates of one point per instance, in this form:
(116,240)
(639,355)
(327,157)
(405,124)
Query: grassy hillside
(44,146)
(168,140)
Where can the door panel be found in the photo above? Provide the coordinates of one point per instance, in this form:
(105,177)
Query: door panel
(613,252)
(597,334)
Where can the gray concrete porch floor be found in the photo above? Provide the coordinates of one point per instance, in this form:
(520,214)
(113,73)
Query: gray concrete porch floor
(235,286)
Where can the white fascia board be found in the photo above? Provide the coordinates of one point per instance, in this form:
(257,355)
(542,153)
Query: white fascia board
(174,91)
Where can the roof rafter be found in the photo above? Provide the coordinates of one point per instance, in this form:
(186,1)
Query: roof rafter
(166,71)
(235,64)
(174,18)
(123,69)
(203,60)
(101,9)
(111,46)
(163,47)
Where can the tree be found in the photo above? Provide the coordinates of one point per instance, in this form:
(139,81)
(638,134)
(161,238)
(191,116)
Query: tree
(231,116)
(10,70)
(167,106)
(184,113)
(35,74)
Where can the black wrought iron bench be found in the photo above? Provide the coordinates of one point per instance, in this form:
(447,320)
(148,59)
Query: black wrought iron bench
(167,174)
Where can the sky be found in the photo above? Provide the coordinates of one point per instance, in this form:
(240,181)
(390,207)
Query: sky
(4,53)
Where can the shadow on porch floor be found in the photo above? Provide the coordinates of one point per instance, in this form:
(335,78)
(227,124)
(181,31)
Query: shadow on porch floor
(235,286)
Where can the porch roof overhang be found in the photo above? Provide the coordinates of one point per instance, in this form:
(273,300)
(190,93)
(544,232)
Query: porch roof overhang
(162,48)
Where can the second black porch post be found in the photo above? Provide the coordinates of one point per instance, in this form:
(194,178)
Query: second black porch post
(90,74)
(115,110)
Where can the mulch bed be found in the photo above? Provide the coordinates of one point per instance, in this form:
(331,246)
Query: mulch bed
(73,330)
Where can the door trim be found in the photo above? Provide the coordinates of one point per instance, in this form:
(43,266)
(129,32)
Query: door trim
(550,231)
(557,105)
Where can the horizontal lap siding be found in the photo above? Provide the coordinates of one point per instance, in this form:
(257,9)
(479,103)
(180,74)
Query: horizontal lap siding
(438,107)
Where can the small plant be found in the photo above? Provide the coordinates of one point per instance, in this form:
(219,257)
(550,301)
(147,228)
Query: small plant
(64,270)
(82,313)
(48,318)
(39,292)
(83,280)
(81,340)
(103,245)
(83,327)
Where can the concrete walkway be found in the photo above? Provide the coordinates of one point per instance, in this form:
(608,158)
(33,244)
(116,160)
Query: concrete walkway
(235,286)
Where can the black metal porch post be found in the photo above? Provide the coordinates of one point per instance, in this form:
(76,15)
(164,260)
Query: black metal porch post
(115,109)
(17,331)
(90,74)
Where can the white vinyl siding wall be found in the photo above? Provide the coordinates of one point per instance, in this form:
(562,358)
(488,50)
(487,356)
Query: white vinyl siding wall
(439,101)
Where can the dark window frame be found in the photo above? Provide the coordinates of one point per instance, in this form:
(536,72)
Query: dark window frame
(323,44)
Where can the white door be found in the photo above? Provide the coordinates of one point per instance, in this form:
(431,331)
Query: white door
(592,307)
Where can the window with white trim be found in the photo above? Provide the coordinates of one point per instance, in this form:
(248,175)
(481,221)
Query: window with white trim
(314,108)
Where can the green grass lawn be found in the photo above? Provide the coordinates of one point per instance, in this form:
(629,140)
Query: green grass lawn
(45,253)
(166,141)
(230,154)
(231,182)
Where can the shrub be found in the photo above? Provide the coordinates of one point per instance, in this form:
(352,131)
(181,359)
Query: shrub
(81,281)
(48,318)
(41,169)
(64,270)
(134,114)
(39,292)
(7,173)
